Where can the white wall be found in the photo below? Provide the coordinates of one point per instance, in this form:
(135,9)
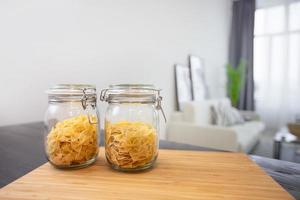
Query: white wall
(43,43)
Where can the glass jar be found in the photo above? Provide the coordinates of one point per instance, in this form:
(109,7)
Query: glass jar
(71,126)
(131,126)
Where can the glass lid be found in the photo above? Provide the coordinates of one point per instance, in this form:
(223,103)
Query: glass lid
(72,92)
(71,89)
(135,93)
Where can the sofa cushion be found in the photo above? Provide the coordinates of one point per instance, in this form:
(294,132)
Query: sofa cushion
(199,112)
(225,115)
(248,134)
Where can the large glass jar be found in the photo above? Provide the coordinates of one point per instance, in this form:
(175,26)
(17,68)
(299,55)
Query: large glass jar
(131,126)
(71,126)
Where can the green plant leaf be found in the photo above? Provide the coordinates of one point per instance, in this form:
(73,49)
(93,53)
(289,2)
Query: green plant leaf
(236,80)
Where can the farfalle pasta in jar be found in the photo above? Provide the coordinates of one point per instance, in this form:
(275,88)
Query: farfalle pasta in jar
(131,126)
(71,126)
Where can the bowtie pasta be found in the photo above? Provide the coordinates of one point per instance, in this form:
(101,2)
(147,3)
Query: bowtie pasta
(130,144)
(72,141)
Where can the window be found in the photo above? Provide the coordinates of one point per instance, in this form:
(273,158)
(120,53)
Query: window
(277,62)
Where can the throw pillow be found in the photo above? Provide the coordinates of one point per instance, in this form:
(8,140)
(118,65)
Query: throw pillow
(225,115)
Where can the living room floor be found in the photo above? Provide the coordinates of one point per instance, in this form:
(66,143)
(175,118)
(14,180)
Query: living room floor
(265,145)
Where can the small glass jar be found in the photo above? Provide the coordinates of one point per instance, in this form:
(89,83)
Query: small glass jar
(131,126)
(71,126)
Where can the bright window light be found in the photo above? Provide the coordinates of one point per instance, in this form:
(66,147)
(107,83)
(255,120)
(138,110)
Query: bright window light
(277,62)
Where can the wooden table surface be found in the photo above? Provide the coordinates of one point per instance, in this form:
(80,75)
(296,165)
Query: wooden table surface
(177,175)
(21,151)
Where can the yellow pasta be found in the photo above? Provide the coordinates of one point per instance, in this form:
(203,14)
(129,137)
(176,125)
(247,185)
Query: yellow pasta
(130,144)
(72,141)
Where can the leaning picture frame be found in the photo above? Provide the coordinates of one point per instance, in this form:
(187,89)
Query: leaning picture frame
(198,82)
(183,85)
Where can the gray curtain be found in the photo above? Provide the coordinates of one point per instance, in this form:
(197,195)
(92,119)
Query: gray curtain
(241,47)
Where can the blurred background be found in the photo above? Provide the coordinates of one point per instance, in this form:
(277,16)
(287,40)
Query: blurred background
(44,43)
(225,67)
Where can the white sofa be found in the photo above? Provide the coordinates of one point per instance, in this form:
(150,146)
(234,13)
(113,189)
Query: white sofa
(193,126)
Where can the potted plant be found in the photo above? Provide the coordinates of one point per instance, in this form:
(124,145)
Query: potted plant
(236,81)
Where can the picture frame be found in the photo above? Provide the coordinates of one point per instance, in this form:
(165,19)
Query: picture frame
(183,85)
(198,82)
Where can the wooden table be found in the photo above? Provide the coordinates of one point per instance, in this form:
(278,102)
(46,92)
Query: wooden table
(22,150)
(177,175)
